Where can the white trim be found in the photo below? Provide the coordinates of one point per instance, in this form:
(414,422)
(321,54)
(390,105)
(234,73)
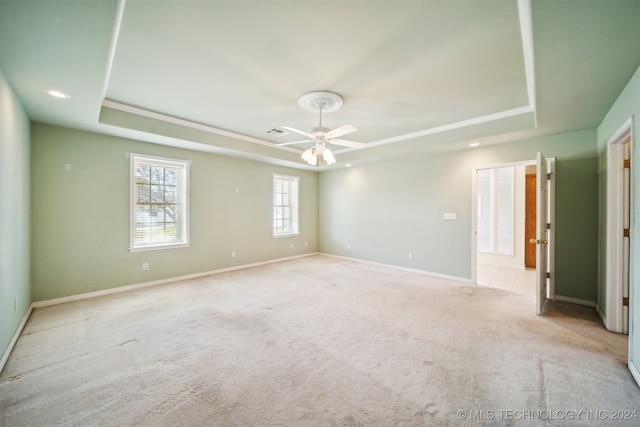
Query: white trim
(410,270)
(456,125)
(189,124)
(127,288)
(601,314)
(578,301)
(115,35)
(634,371)
(526,33)
(183,203)
(614,227)
(14,339)
(551,234)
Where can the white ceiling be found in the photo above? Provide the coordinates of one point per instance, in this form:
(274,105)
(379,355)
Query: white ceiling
(414,75)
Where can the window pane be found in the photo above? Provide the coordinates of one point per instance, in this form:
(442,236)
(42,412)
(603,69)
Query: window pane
(143,191)
(484,210)
(157,175)
(170,177)
(159,203)
(505,210)
(495,210)
(143,174)
(171,195)
(285,205)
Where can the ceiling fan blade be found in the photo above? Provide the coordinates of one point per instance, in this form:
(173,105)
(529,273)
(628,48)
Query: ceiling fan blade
(342,130)
(294,142)
(290,129)
(346,143)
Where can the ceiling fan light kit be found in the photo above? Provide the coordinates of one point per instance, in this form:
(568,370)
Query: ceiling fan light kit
(327,102)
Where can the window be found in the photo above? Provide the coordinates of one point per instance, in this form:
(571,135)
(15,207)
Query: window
(285,205)
(159,203)
(495,210)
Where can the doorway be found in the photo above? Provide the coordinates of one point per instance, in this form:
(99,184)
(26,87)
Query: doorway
(544,241)
(504,221)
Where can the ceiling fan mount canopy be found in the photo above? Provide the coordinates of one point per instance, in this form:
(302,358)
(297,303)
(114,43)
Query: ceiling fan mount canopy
(319,100)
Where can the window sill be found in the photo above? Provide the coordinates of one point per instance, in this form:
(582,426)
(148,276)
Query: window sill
(276,236)
(159,247)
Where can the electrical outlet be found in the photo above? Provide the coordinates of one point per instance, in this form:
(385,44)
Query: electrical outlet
(410,255)
(292,246)
(348,246)
(145,266)
(306,244)
(233,254)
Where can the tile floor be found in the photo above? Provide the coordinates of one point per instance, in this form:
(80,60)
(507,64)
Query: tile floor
(518,280)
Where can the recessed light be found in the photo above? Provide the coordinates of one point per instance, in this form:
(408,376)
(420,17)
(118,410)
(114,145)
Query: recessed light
(474,144)
(58,94)
(348,165)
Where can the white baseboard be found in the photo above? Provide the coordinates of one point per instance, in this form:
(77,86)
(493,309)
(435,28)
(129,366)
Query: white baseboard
(411,270)
(14,339)
(127,288)
(602,315)
(87,295)
(578,301)
(634,372)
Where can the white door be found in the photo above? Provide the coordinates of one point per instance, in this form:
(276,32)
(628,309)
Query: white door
(542,238)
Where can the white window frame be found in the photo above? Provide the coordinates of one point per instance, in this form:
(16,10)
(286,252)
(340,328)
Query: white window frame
(181,241)
(293,229)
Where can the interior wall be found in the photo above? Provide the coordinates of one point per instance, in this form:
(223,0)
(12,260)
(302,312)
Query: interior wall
(382,211)
(15,296)
(80,221)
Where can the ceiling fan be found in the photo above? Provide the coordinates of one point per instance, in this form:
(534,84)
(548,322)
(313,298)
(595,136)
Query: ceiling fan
(327,102)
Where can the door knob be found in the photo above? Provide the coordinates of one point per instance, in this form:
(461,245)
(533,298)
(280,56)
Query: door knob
(534,241)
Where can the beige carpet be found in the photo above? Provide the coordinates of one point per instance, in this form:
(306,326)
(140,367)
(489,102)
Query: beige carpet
(317,341)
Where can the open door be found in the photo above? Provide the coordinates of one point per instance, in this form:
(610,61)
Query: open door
(542,238)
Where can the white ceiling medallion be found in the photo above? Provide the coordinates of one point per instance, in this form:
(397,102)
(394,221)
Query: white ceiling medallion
(314,101)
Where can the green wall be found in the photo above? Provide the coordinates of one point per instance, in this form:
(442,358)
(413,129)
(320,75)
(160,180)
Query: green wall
(387,209)
(80,214)
(15,295)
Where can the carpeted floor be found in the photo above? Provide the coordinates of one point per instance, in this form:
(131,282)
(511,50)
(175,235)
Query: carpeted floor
(317,341)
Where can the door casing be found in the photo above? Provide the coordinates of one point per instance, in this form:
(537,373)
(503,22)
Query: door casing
(615,319)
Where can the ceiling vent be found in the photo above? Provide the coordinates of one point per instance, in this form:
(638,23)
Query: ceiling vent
(278,132)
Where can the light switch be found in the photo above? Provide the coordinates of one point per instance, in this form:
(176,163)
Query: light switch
(449,215)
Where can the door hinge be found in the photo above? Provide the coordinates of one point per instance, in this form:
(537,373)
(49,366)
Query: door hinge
(627,164)
(548,176)
(625,302)
(626,232)
(548,226)
(548,275)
